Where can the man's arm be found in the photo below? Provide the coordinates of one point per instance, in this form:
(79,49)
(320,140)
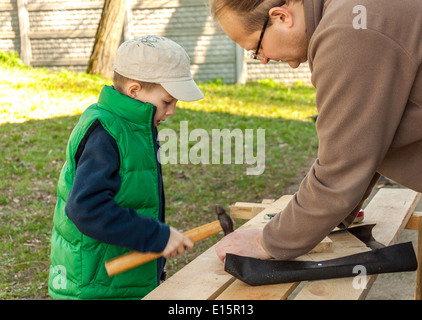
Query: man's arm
(363,79)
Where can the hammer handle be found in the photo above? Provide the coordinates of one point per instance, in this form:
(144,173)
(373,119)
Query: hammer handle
(133,259)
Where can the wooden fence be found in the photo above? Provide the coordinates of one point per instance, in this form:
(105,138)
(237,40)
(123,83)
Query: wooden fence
(60,34)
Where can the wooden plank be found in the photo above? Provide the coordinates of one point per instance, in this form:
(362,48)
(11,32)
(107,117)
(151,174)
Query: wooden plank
(390,209)
(128,23)
(8,34)
(66,5)
(334,289)
(326,245)
(204,278)
(268,201)
(391,212)
(66,62)
(239,290)
(60,34)
(414,220)
(159,4)
(415,223)
(418,283)
(260,219)
(246,210)
(7,6)
(25,45)
(344,244)
(241,73)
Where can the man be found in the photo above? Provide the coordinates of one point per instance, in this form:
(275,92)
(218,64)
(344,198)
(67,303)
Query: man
(365,57)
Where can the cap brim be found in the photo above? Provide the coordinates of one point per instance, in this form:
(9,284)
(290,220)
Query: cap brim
(186,90)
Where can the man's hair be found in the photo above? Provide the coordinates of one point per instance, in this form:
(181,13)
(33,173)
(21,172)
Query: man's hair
(120,81)
(253,13)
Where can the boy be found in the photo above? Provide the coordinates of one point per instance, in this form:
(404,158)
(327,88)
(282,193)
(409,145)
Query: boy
(110,190)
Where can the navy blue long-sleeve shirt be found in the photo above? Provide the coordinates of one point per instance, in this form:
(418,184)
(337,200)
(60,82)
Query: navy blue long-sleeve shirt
(91,205)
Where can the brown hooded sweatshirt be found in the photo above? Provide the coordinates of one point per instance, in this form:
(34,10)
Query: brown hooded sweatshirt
(368,77)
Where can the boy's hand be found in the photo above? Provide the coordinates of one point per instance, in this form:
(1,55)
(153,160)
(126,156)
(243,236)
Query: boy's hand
(177,244)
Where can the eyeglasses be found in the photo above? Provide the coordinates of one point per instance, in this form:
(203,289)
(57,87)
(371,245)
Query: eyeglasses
(254,54)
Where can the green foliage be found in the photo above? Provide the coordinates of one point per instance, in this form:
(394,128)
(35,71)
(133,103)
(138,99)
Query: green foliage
(11,60)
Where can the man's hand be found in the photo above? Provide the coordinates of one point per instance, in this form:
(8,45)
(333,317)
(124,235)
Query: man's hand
(243,242)
(177,244)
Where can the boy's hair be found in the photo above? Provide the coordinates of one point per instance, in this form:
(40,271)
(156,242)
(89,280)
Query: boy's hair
(120,81)
(253,13)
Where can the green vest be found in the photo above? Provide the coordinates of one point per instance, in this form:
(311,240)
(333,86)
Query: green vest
(77,261)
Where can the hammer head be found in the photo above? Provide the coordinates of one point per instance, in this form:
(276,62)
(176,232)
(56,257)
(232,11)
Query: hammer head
(225,220)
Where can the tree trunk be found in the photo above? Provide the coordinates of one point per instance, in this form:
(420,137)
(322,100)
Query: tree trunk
(108,37)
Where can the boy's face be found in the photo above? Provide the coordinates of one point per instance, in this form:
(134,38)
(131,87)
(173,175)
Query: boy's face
(157,96)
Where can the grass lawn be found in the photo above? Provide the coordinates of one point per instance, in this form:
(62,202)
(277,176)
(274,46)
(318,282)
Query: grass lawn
(38,110)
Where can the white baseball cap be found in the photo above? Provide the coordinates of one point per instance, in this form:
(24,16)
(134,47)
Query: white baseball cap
(160,60)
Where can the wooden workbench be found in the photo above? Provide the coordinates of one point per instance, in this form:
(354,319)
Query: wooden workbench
(204,278)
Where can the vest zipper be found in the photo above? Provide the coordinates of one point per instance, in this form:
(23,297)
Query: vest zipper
(161,216)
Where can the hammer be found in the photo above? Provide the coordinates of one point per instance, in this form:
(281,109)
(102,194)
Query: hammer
(133,259)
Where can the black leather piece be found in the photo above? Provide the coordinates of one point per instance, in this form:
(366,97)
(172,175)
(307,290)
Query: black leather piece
(364,234)
(381,259)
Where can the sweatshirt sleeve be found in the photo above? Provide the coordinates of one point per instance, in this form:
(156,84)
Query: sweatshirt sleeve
(91,206)
(363,80)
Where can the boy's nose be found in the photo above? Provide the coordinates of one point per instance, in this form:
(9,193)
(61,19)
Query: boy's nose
(171,111)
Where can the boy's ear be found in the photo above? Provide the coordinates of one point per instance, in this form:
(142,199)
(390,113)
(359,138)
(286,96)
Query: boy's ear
(133,89)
